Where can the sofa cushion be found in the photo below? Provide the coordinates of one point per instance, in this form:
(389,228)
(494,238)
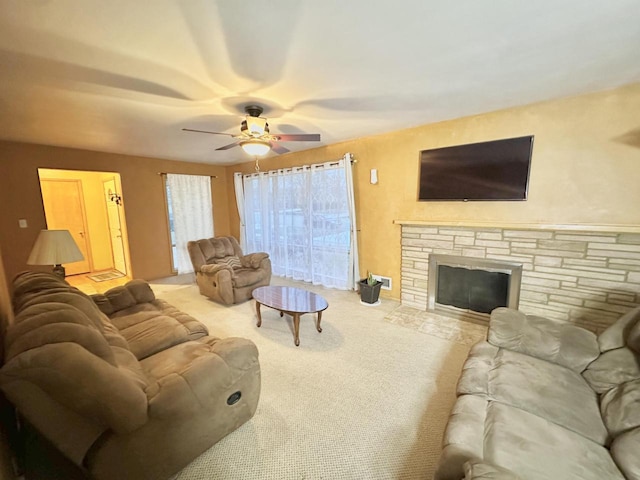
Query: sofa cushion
(51,323)
(151,327)
(633,339)
(624,451)
(122,297)
(207,248)
(620,408)
(562,343)
(189,374)
(538,449)
(71,297)
(612,368)
(616,335)
(542,388)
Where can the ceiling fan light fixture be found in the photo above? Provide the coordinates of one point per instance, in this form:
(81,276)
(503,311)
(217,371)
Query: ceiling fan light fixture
(256,147)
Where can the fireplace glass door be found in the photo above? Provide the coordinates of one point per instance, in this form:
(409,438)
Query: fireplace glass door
(470,289)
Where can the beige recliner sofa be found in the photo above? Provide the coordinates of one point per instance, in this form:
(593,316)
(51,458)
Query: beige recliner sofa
(223,273)
(545,400)
(124,385)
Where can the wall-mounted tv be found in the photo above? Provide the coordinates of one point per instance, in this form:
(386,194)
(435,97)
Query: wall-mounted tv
(496,170)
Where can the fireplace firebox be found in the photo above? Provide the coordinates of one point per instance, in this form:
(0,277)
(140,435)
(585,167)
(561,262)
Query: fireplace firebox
(473,284)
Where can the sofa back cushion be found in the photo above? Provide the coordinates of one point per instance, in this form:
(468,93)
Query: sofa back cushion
(620,408)
(612,368)
(617,334)
(123,297)
(633,339)
(624,451)
(557,342)
(208,250)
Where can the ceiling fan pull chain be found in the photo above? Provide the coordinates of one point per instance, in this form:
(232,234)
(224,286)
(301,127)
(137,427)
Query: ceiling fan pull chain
(257,167)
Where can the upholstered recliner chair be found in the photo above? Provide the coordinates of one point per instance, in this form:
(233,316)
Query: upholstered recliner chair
(223,273)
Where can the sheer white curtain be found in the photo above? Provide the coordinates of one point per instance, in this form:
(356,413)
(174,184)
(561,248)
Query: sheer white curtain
(237,183)
(303,217)
(354,266)
(192,210)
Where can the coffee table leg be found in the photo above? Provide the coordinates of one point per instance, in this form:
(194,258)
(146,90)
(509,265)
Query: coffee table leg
(258,313)
(318,327)
(296,328)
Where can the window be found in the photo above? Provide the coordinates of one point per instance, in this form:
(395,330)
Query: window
(190,213)
(303,218)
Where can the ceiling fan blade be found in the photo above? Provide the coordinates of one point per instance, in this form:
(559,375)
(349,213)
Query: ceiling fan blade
(279,149)
(204,131)
(298,137)
(227,147)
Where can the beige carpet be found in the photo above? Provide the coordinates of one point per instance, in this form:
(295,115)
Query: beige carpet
(364,399)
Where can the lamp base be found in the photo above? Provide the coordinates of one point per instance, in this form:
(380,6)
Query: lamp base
(59,271)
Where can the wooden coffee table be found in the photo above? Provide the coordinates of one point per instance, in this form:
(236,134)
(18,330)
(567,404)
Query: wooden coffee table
(292,301)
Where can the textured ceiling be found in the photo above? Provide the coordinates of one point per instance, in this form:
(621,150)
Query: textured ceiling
(126,76)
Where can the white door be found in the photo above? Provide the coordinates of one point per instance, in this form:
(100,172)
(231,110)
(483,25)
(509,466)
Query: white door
(64,210)
(115,227)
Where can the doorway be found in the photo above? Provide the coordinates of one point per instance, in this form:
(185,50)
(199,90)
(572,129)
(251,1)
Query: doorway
(91,206)
(64,210)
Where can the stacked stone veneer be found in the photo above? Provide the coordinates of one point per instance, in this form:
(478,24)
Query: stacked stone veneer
(587,278)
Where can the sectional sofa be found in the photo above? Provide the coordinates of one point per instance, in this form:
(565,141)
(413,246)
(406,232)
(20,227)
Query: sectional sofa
(123,385)
(544,400)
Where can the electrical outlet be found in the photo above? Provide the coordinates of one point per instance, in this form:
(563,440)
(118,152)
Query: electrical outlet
(22,223)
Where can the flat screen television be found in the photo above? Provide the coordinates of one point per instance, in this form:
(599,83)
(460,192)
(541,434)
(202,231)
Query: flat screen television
(496,170)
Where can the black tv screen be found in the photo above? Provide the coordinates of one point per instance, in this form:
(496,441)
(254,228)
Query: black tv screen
(496,170)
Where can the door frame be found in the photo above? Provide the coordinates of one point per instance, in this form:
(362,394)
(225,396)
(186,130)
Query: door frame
(122,242)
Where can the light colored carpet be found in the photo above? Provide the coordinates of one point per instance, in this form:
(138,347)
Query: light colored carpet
(364,399)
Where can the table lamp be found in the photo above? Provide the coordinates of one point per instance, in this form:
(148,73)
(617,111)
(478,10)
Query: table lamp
(55,247)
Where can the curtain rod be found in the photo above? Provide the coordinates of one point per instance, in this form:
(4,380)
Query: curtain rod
(165,173)
(303,167)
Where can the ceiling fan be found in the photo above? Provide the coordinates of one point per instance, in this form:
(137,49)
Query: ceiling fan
(254,136)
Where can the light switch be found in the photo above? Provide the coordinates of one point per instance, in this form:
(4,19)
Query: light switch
(22,223)
(374,176)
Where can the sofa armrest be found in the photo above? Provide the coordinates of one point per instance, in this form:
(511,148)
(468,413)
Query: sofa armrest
(253,260)
(477,470)
(80,381)
(203,374)
(213,268)
(557,342)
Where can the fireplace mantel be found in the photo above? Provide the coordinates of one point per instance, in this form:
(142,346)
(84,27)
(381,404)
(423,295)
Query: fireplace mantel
(575,227)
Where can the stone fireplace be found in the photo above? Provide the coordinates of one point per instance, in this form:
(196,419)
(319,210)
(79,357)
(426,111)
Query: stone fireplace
(586,275)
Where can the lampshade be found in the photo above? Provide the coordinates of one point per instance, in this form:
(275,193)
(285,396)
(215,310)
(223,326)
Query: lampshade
(255,147)
(54,247)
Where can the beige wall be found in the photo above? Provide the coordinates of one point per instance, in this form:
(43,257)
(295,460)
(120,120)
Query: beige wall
(585,170)
(143,199)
